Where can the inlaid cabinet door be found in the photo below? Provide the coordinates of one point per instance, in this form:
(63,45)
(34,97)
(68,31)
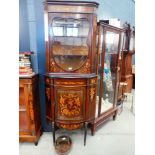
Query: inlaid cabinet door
(24,121)
(70,103)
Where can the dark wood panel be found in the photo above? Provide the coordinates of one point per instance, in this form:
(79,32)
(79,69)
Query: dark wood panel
(29,110)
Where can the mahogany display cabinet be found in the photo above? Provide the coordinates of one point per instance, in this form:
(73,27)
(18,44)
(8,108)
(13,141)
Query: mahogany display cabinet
(128,52)
(29,109)
(110,46)
(71,64)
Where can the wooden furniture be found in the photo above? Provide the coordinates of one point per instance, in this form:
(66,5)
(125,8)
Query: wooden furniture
(29,115)
(133,73)
(128,52)
(109,58)
(70,33)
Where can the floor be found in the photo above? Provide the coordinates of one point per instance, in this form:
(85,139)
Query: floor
(112,138)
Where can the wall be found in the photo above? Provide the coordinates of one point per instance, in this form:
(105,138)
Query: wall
(32,33)
(23,27)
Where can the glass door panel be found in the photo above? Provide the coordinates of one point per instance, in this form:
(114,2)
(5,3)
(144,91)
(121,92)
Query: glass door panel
(109,70)
(70,42)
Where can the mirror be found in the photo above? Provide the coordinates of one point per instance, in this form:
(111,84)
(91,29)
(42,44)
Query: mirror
(70,42)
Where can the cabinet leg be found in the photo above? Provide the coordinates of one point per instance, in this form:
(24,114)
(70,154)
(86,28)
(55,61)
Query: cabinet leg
(114,116)
(93,130)
(85,132)
(53,131)
(36,143)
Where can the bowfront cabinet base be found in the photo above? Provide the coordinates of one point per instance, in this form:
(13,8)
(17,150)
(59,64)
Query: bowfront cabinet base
(70,100)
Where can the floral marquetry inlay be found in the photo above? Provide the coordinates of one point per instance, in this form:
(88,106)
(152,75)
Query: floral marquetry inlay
(54,67)
(85,68)
(69,105)
(93,81)
(70,83)
(48,93)
(70,126)
(92,93)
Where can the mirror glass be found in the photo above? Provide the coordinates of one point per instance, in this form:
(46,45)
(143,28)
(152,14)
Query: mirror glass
(70,42)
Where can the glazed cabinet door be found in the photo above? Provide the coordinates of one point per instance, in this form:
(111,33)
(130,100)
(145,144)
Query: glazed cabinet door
(70,42)
(109,68)
(24,119)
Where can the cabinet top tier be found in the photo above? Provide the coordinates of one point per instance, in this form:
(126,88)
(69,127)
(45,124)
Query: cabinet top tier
(102,23)
(71,6)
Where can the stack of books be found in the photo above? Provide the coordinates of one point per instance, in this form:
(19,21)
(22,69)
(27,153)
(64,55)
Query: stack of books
(25,65)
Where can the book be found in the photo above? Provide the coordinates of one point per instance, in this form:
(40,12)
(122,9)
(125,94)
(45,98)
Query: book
(25,64)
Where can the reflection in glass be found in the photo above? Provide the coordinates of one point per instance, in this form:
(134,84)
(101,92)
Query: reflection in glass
(131,47)
(110,61)
(108,84)
(107,73)
(112,42)
(70,37)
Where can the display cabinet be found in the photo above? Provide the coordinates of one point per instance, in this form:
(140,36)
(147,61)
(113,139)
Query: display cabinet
(71,63)
(110,44)
(29,109)
(128,52)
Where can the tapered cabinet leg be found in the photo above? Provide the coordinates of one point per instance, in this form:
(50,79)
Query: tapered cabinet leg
(36,143)
(93,130)
(85,132)
(114,116)
(53,131)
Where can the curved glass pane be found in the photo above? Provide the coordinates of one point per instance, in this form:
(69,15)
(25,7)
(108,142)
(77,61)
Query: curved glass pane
(69,42)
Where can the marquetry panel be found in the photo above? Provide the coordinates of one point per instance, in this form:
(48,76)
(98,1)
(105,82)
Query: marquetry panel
(70,103)
(84,69)
(68,82)
(70,126)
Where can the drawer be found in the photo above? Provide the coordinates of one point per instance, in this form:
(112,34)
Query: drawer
(70,82)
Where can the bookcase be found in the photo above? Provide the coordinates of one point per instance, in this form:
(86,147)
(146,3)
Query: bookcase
(29,109)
